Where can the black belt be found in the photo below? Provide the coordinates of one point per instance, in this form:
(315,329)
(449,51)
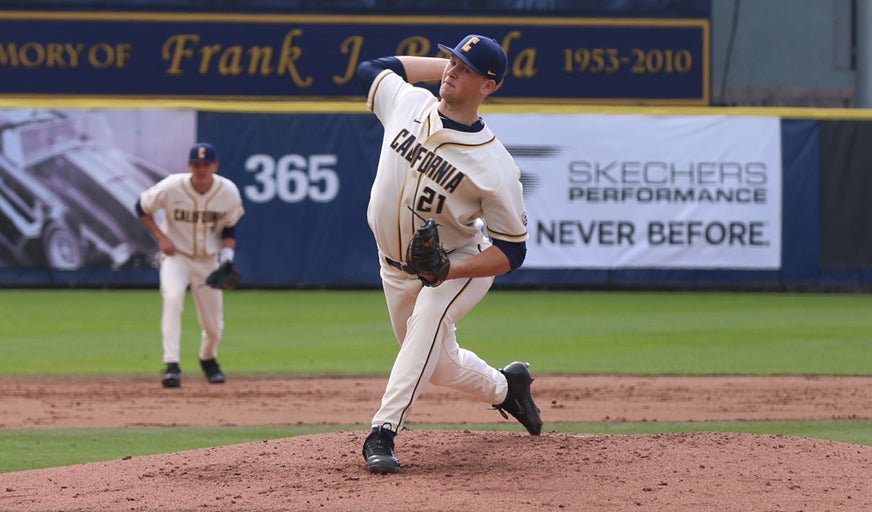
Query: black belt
(396,264)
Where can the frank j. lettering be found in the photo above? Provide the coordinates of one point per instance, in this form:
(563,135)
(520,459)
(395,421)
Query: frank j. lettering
(181,49)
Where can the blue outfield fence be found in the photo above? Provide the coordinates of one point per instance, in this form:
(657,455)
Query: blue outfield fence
(305,181)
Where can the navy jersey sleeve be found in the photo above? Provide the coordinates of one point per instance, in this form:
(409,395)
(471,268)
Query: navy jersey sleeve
(368,70)
(516,252)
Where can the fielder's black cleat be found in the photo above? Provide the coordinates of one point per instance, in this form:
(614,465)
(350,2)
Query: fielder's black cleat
(378,450)
(519,400)
(172,376)
(213,371)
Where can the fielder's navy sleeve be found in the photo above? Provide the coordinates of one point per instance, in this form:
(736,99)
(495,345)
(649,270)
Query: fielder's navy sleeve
(368,70)
(516,252)
(138,208)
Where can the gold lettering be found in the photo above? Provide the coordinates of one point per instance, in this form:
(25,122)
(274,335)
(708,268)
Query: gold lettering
(290,55)
(176,48)
(101,56)
(74,52)
(415,45)
(262,55)
(507,41)
(524,65)
(351,47)
(32,61)
(122,54)
(54,55)
(516,68)
(9,55)
(63,55)
(229,63)
(206,54)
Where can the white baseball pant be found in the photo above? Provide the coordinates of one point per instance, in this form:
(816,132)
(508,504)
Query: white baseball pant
(176,273)
(423,321)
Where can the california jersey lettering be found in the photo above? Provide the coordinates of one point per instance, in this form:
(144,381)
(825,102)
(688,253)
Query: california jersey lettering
(427,162)
(194,221)
(198,217)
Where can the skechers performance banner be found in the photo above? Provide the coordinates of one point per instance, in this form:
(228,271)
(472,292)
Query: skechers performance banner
(614,191)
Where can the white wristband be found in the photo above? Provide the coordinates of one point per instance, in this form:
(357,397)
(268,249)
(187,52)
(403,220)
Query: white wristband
(226,254)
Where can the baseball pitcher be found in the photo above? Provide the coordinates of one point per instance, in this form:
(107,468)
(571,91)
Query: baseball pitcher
(447,212)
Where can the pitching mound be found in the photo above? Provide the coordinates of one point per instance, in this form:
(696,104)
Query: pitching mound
(463,470)
(451,470)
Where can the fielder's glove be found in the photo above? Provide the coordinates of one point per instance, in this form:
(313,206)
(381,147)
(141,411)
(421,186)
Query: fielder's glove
(425,255)
(225,277)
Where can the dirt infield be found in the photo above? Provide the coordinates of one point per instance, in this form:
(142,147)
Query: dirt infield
(452,470)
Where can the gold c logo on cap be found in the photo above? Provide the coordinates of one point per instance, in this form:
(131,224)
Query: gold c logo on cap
(201,152)
(468,45)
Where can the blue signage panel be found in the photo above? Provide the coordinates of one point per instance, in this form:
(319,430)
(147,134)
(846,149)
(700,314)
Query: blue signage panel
(304,181)
(583,60)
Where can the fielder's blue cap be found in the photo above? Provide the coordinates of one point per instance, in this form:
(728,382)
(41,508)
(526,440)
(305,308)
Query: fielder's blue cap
(203,152)
(481,53)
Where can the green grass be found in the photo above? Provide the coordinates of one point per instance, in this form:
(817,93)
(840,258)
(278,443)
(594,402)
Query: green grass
(60,332)
(87,332)
(684,333)
(846,431)
(33,449)
(343,333)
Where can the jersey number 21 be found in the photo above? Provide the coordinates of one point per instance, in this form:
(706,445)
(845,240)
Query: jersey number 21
(427,200)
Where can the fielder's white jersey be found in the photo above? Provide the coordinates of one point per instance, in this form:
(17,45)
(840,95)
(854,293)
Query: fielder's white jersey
(194,221)
(450,176)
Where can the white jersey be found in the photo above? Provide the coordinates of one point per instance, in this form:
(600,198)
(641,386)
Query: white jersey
(453,177)
(193,221)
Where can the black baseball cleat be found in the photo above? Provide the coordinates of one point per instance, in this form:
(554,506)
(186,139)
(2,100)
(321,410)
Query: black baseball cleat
(213,371)
(172,376)
(519,400)
(378,450)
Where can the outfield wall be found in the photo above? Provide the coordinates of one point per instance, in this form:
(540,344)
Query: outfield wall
(692,198)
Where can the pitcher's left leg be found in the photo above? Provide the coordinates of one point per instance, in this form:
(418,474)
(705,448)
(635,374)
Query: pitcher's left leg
(419,352)
(462,369)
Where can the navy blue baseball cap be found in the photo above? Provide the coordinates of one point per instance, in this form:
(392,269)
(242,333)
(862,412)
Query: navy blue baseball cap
(481,53)
(203,152)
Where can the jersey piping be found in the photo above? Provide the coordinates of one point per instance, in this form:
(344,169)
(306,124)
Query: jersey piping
(370,102)
(461,145)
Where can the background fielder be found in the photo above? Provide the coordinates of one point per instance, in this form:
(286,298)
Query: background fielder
(198,232)
(440,161)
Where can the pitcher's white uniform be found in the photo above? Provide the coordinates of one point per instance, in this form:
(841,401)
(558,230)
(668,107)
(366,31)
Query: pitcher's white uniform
(193,221)
(465,182)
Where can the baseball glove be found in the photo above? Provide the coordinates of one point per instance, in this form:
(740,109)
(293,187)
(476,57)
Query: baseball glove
(225,277)
(426,257)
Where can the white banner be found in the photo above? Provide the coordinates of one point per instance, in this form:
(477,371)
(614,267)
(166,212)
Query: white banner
(634,191)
